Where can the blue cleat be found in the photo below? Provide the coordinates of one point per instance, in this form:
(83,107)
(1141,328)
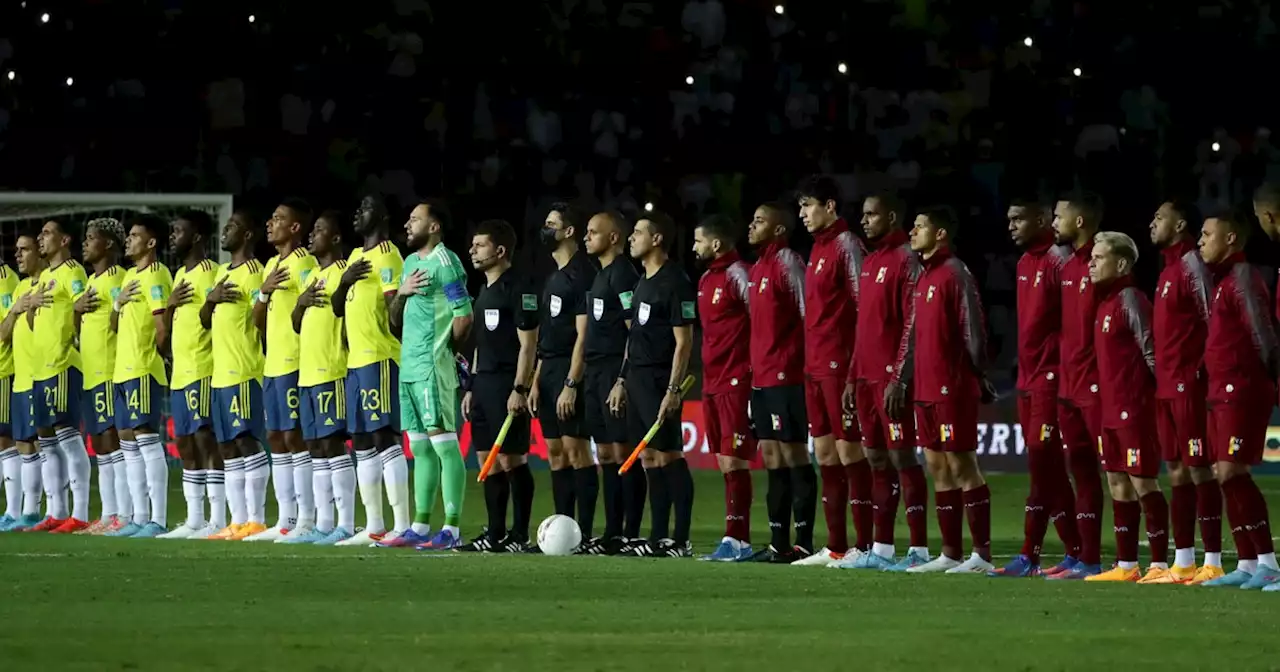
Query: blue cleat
(873,561)
(126,531)
(6,522)
(149,531)
(1265,576)
(311,536)
(1273,588)
(1068,563)
(1019,567)
(1235,579)
(338,534)
(912,559)
(407,539)
(443,541)
(729,550)
(25,523)
(1078,572)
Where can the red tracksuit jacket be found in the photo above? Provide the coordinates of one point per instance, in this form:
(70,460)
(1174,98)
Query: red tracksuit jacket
(1241,346)
(1125,350)
(883,347)
(776,296)
(1181,321)
(726,326)
(1079,304)
(831,301)
(950,333)
(1040,316)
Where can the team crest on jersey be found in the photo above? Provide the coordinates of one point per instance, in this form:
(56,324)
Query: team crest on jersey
(1196,447)
(1106,324)
(1039,277)
(157,293)
(1133,458)
(715,296)
(1164,291)
(895,431)
(1234,445)
(776,422)
(880,274)
(6,301)
(385,275)
(1084,284)
(764,282)
(821,263)
(302,277)
(643,313)
(77,286)
(928,297)
(491,318)
(597,308)
(555,306)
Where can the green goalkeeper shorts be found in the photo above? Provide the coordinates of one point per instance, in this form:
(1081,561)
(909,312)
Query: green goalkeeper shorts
(428,405)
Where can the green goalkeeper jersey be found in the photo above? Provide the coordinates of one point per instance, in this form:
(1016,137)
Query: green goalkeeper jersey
(426,347)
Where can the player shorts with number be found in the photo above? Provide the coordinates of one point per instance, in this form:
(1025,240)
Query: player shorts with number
(1237,427)
(373,397)
(191,407)
(237,411)
(6,406)
(428,405)
(56,400)
(280,402)
(1080,426)
(99,410)
(324,410)
(879,431)
(489,394)
(727,423)
(22,424)
(138,403)
(1038,415)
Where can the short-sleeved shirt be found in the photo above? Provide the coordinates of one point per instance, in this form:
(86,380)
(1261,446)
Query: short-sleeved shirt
(564,298)
(192,343)
(237,345)
(503,308)
(136,353)
(282,340)
(24,341)
(609,306)
(663,301)
(8,295)
(323,356)
(97,338)
(55,325)
(427,353)
(369,338)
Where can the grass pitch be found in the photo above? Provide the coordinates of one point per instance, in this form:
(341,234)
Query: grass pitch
(77,603)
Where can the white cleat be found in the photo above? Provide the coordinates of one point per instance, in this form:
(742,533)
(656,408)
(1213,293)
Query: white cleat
(939,564)
(974,565)
(269,534)
(823,558)
(180,532)
(205,532)
(362,538)
(848,561)
(300,530)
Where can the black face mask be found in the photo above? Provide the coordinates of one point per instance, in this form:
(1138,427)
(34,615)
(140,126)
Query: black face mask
(548,237)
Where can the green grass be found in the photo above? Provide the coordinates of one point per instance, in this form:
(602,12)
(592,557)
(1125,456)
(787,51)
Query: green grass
(77,603)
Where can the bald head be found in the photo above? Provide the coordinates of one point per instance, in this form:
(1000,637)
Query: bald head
(605,231)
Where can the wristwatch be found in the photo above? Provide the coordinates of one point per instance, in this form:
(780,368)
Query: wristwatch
(673,389)
(522,390)
(570,383)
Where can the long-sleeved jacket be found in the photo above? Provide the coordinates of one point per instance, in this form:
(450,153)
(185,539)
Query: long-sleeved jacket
(1079,304)
(726,325)
(883,348)
(776,296)
(1240,351)
(1181,321)
(831,300)
(1126,352)
(950,334)
(1040,316)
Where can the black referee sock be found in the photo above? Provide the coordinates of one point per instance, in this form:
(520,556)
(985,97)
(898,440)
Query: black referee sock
(522,500)
(496,491)
(562,491)
(680,485)
(634,491)
(659,504)
(586,488)
(778,501)
(612,500)
(804,490)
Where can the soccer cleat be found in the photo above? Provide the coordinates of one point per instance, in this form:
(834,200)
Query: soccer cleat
(25,523)
(1265,576)
(1078,573)
(149,531)
(773,556)
(336,537)
(974,565)
(6,521)
(1019,567)
(49,524)
(613,545)
(443,540)
(204,533)
(479,544)
(1273,588)
(823,558)
(531,549)
(405,539)
(937,565)
(668,548)
(301,530)
(630,545)
(310,535)
(248,530)
(1205,573)
(644,549)
(268,534)
(911,559)
(96,527)
(729,550)
(1117,574)
(1182,574)
(117,524)
(365,537)
(1068,563)
(70,526)
(592,546)
(180,532)
(227,533)
(850,559)
(127,530)
(1158,576)
(1235,579)
(512,544)
(873,561)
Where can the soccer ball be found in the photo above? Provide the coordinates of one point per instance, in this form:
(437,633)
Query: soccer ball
(558,535)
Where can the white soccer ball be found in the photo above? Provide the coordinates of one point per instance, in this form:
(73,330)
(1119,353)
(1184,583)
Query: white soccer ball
(558,535)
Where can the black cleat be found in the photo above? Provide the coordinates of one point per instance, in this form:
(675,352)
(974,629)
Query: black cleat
(592,546)
(772,556)
(511,544)
(481,544)
(668,548)
(643,549)
(613,546)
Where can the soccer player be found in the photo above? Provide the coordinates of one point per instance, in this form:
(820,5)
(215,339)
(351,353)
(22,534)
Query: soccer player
(555,396)
(1240,359)
(1266,206)
(16,330)
(776,289)
(611,307)
(1126,386)
(10,460)
(656,361)
(237,379)
(878,390)
(949,381)
(1180,327)
(190,399)
(831,298)
(432,311)
(362,300)
(283,280)
(501,368)
(726,377)
(322,374)
(103,244)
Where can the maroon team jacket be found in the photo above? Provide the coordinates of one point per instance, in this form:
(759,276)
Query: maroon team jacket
(950,333)
(1241,346)
(1040,316)
(1126,354)
(776,296)
(831,300)
(1181,321)
(726,326)
(1079,304)
(886,311)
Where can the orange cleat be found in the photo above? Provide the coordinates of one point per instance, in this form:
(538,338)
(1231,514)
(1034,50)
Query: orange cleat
(1206,573)
(1158,575)
(49,524)
(227,533)
(117,523)
(1115,574)
(248,530)
(96,527)
(1181,574)
(70,526)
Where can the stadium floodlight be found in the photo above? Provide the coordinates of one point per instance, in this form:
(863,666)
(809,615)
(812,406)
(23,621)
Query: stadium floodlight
(44,18)
(842,68)
(1217,147)
(1027,41)
(12,75)
(648,207)
(689,80)
(70,81)
(779,9)
(1077,72)
(252,18)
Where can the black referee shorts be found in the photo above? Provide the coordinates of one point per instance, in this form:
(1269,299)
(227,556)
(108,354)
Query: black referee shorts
(603,426)
(550,383)
(489,393)
(778,414)
(646,386)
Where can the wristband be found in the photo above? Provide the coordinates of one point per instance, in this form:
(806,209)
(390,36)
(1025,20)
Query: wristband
(115,306)
(522,390)
(263,298)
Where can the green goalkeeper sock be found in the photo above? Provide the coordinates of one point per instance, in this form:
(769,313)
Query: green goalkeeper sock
(453,474)
(426,479)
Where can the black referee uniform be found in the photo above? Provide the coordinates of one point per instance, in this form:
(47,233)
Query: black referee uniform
(564,298)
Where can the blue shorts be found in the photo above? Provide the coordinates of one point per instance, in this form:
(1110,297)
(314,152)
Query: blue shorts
(280,401)
(189,407)
(373,397)
(324,410)
(99,408)
(6,406)
(138,404)
(238,411)
(21,417)
(56,400)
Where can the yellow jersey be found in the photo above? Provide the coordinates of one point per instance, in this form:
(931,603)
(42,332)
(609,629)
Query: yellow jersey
(237,345)
(24,341)
(192,344)
(55,325)
(8,292)
(282,341)
(369,338)
(136,352)
(97,340)
(323,356)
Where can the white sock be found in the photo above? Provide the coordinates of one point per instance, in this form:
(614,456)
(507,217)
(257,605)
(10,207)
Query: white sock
(235,490)
(1159,565)
(124,498)
(1127,564)
(1184,557)
(369,475)
(883,550)
(193,481)
(1267,560)
(215,484)
(107,484)
(1249,566)
(304,489)
(454,529)
(257,468)
(79,470)
(32,483)
(282,482)
(421,528)
(395,473)
(344,491)
(1213,560)
(922,551)
(136,471)
(157,474)
(321,492)
(54,477)
(11,468)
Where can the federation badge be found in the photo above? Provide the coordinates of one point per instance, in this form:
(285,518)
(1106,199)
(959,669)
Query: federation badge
(491,317)
(643,314)
(554,305)
(597,308)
